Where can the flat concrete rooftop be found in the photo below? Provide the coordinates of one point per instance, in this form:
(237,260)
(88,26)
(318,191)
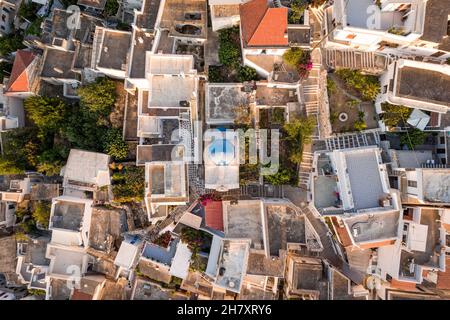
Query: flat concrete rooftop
(232,264)
(436,185)
(244,220)
(68,215)
(363,167)
(169,92)
(423,85)
(373,227)
(222,101)
(114,49)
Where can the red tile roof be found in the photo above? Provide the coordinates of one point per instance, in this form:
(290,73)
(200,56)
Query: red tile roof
(18,81)
(78,295)
(443,278)
(214,215)
(263,26)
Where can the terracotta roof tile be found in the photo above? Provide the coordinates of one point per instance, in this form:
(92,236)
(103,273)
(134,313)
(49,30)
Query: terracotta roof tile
(18,82)
(263,26)
(214,215)
(403,285)
(443,280)
(78,295)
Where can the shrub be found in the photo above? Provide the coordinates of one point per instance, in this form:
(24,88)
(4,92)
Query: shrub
(247,73)
(298,132)
(111,7)
(41,213)
(214,74)
(360,125)
(367,85)
(114,145)
(131,186)
(282,177)
(331,86)
(99,97)
(394,115)
(10,43)
(412,138)
(297,9)
(229,47)
(46,113)
(229,54)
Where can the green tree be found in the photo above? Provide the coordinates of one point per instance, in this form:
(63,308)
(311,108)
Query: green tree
(412,138)
(298,7)
(111,7)
(41,213)
(229,54)
(229,47)
(394,115)
(367,85)
(5,70)
(114,145)
(129,185)
(282,177)
(46,113)
(299,133)
(247,73)
(295,56)
(98,97)
(10,43)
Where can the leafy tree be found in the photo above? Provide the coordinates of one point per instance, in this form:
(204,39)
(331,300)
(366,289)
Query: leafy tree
(98,97)
(129,185)
(367,85)
(27,10)
(229,47)
(412,138)
(299,133)
(247,73)
(297,9)
(229,54)
(111,7)
(9,167)
(294,56)
(47,114)
(114,145)
(394,115)
(282,177)
(214,74)
(10,43)
(5,69)
(41,213)
(20,149)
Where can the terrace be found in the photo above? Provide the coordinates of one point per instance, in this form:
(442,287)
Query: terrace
(436,185)
(373,227)
(429,256)
(244,220)
(67,215)
(222,101)
(232,264)
(285,225)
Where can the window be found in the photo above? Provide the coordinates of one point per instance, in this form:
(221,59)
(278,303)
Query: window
(440,151)
(441,140)
(412,184)
(385,88)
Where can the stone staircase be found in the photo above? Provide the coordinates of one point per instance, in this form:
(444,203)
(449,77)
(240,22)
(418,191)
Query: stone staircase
(355,59)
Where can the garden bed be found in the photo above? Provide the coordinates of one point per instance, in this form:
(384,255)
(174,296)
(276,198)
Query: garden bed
(348,111)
